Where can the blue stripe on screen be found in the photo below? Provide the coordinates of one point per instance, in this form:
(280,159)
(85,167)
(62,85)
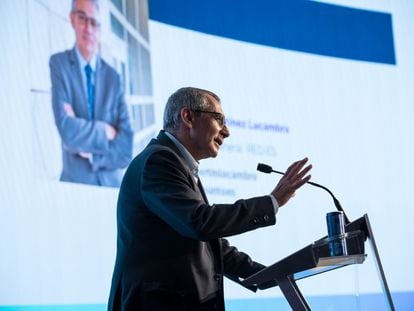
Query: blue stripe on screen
(403,301)
(299,25)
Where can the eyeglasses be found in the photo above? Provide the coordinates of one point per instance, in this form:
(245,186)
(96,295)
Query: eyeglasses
(85,19)
(220,118)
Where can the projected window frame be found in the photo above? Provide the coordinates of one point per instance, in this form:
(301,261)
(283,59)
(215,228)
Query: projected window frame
(129,23)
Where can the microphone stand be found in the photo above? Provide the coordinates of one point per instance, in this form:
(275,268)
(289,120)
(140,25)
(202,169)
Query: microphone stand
(264,168)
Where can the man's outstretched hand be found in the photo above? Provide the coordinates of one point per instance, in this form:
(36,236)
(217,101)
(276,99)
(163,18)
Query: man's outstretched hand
(295,177)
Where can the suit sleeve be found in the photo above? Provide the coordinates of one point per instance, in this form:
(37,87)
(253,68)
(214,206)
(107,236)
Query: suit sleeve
(168,192)
(118,153)
(77,134)
(236,263)
(239,266)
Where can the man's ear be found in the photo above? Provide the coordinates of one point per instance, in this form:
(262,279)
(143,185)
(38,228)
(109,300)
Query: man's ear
(187,117)
(72,19)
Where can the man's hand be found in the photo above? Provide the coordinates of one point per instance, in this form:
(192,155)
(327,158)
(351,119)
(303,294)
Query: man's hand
(110,132)
(294,178)
(85,155)
(69,110)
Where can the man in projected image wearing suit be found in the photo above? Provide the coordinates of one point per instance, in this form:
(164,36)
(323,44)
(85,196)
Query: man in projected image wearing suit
(89,106)
(171,251)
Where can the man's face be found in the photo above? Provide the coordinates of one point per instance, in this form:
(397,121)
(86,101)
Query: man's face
(85,22)
(207,134)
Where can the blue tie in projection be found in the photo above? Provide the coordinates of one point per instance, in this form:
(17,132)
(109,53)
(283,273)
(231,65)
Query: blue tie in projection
(91,91)
(299,25)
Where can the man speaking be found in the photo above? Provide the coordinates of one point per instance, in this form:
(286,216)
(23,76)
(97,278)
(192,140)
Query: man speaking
(171,251)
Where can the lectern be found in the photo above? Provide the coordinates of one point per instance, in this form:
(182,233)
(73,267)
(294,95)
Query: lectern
(315,258)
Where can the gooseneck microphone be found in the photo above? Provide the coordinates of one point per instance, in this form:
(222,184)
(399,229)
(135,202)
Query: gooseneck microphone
(264,168)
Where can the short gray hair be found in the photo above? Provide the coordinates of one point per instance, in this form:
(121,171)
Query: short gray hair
(186,97)
(95,2)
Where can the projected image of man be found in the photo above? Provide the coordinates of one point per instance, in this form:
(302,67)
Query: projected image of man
(171,252)
(89,106)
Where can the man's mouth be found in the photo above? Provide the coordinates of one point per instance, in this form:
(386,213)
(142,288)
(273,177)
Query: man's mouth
(218,141)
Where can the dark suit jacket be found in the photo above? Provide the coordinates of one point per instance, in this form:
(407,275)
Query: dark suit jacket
(170,238)
(82,135)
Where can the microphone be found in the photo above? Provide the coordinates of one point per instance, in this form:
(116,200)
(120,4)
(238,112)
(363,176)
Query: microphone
(264,168)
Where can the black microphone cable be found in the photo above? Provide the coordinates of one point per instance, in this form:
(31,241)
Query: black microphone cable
(264,168)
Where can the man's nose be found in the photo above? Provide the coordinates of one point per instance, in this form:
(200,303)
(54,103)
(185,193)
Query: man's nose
(88,26)
(225,132)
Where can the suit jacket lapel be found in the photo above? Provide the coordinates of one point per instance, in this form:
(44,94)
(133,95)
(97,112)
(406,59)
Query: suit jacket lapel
(166,141)
(80,99)
(200,186)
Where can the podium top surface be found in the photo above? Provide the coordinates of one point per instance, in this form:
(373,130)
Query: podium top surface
(330,263)
(310,260)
